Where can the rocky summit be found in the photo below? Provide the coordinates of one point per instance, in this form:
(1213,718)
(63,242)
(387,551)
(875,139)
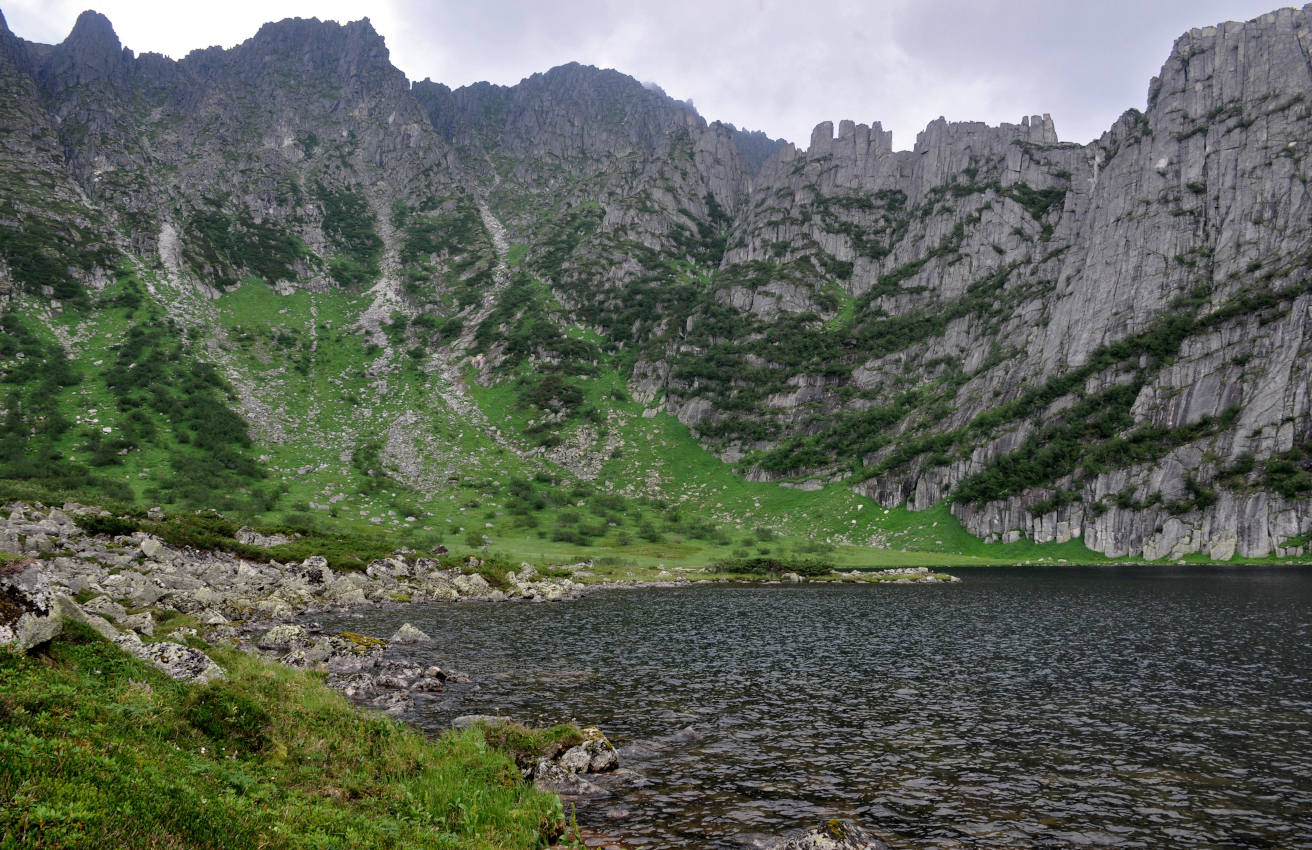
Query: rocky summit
(284,280)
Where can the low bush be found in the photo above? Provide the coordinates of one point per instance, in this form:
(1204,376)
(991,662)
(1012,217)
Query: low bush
(771,566)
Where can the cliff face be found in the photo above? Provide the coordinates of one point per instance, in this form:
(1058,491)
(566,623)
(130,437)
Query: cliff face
(1106,341)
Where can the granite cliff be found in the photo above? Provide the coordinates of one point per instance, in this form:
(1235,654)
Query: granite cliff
(1106,341)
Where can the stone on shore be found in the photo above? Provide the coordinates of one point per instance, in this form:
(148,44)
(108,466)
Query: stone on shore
(556,779)
(284,637)
(594,755)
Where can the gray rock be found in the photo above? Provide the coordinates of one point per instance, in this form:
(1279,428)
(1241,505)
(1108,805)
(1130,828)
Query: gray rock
(835,835)
(355,686)
(105,607)
(595,754)
(28,614)
(471,585)
(154,549)
(466,720)
(141,623)
(250,537)
(343,591)
(178,661)
(395,703)
(408,634)
(555,779)
(314,570)
(428,684)
(283,637)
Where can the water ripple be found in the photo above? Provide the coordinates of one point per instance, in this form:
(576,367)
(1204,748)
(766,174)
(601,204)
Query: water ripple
(1126,707)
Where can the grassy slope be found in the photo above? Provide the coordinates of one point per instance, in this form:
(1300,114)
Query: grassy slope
(97,749)
(312,368)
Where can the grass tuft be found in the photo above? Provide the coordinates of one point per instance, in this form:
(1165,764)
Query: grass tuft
(100,750)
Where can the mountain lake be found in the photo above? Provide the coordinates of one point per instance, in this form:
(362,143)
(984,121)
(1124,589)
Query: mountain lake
(1129,706)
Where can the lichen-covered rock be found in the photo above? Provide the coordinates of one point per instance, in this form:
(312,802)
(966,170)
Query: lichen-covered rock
(556,779)
(154,549)
(141,623)
(105,607)
(284,636)
(429,684)
(835,835)
(595,754)
(471,585)
(178,661)
(343,591)
(314,570)
(27,605)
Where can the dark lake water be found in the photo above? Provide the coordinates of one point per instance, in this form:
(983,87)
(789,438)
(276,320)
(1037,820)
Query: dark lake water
(1129,707)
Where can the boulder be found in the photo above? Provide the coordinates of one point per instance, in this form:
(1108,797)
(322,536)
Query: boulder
(467,720)
(395,703)
(154,549)
(177,661)
(344,592)
(835,835)
(285,636)
(313,570)
(141,623)
(266,541)
(28,614)
(594,755)
(410,634)
(385,568)
(428,684)
(353,685)
(275,609)
(105,607)
(551,777)
(471,585)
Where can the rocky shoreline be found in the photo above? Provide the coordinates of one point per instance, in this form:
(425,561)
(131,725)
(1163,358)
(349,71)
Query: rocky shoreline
(163,603)
(130,586)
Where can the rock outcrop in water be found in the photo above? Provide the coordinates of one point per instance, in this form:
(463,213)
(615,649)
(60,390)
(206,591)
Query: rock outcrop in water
(835,835)
(1107,341)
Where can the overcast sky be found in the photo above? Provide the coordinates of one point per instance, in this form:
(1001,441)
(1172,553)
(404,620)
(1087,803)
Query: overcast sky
(773,65)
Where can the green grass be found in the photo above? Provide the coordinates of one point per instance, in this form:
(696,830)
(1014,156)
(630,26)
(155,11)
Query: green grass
(99,750)
(336,398)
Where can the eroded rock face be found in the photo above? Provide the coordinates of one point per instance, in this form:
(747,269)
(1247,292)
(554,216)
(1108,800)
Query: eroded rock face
(938,284)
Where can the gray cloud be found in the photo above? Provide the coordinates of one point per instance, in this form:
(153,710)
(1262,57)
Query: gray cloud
(763,64)
(770,65)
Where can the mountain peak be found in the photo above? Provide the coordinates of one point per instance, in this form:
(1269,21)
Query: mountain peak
(93,33)
(324,47)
